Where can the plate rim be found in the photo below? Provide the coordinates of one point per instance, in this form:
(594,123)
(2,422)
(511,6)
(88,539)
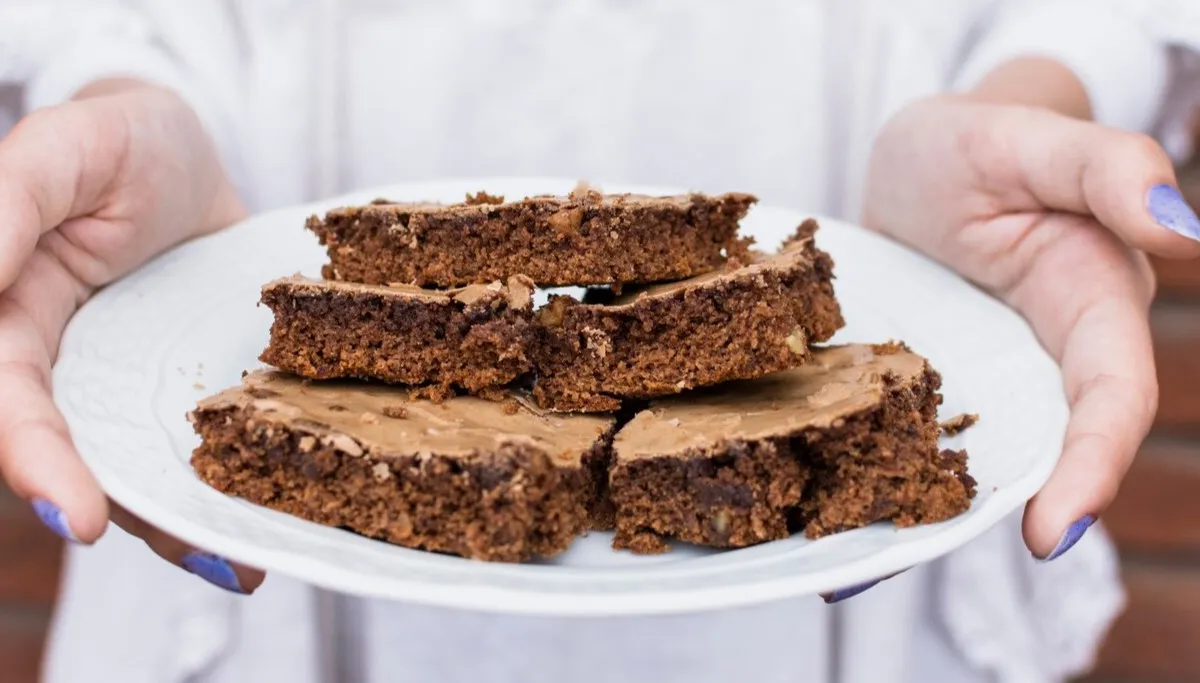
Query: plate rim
(477,596)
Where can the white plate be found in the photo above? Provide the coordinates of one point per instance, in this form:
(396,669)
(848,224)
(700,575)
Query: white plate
(143,351)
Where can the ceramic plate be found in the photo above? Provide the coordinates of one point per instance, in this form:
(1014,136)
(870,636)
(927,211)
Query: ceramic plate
(143,351)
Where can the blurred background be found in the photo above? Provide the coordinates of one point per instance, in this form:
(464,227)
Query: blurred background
(1155,520)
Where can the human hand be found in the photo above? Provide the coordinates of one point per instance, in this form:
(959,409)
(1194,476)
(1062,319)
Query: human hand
(90,190)
(1052,215)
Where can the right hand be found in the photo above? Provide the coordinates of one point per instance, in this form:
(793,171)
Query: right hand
(89,191)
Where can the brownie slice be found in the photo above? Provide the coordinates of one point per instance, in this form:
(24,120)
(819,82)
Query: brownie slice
(741,323)
(468,476)
(476,338)
(585,238)
(847,440)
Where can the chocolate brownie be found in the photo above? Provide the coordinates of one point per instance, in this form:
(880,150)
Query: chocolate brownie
(468,477)
(844,441)
(585,238)
(476,337)
(740,323)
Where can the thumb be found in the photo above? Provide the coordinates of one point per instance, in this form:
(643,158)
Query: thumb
(1125,180)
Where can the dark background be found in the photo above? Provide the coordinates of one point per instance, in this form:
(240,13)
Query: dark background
(1155,521)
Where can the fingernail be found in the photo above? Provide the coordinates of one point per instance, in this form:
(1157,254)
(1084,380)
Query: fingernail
(213,569)
(847,593)
(1171,210)
(1071,537)
(54,518)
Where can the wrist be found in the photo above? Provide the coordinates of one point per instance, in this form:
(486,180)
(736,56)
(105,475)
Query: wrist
(1036,82)
(109,86)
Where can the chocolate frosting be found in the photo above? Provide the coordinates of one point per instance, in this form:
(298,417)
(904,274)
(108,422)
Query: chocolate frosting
(577,199)
(796,253)
(381,422)
(518,291)
(839,382)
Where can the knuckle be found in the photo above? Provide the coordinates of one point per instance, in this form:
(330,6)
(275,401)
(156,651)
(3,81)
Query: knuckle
(25,372)
(1148,393)
(1142,146)
(1142,394)
(983,140)
(1108,486)
(988,146)
(1094,453)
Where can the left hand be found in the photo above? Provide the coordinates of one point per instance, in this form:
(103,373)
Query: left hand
(1052,215)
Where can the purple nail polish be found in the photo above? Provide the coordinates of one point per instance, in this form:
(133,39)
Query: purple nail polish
(1168,206)
(54,518)
(847,593)
(1071,537)
(213,569)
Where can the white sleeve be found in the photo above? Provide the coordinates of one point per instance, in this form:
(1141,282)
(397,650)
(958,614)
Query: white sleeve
(1113,46)
(53,49)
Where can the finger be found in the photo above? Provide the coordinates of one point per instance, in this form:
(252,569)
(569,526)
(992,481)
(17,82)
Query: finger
(212,568)
(1125,180)
(1096,324)
(54,165)
(37,458)
(1109,371)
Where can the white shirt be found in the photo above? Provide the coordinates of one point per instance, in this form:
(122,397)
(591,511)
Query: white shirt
(781,98)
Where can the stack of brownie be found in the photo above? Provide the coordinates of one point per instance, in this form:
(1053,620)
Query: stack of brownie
(417,396)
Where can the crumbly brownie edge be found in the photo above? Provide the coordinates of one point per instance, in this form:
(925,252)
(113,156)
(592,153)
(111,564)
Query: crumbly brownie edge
(368,335)
(590,357)
(884,465)
(597,463)
(573,242)
(510,505)
(736,495)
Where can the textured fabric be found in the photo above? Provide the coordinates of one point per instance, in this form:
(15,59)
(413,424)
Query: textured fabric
(1035,621)
(1121,63)
(778,97)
